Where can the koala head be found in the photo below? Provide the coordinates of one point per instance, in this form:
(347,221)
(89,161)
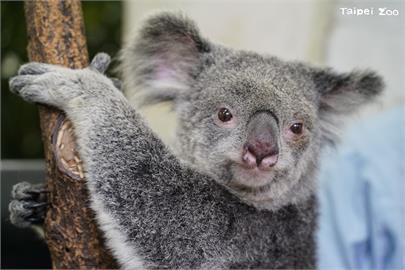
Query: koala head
(253,122)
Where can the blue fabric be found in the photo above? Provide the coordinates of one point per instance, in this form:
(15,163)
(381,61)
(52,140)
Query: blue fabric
(362,197)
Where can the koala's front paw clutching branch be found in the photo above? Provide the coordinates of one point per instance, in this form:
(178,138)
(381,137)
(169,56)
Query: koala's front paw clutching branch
(59,86)
(28,205)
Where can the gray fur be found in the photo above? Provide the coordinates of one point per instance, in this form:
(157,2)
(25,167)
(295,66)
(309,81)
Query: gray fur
(204,211)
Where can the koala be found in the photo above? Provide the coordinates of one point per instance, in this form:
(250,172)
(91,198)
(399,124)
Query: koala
(240,192)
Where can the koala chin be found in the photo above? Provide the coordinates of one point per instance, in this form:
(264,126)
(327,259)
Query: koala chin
(239,191)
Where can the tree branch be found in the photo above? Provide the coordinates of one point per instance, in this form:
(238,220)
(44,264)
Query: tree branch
(56,35)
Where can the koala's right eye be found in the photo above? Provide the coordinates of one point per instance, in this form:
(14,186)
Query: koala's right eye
(225,115)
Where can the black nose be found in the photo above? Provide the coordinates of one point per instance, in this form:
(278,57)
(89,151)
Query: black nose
(261,147)
(260,150)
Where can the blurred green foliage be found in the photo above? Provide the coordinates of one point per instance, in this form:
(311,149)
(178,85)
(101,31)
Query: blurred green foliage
(20,133)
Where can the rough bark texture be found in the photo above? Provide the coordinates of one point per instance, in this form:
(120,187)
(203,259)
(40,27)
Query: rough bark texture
(56,36)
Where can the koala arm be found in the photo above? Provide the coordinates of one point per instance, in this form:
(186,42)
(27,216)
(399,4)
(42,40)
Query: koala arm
(154,211)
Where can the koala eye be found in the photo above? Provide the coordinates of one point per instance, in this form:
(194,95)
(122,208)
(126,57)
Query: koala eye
(224,114)
(296,128)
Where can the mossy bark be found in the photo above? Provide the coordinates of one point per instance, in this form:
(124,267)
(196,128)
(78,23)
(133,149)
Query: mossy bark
(56,36)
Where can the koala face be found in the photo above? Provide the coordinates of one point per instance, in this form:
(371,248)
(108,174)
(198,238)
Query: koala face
(254,123)
(251,122)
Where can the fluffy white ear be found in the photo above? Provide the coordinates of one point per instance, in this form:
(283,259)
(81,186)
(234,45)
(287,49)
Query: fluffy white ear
(164,59)
(343,94)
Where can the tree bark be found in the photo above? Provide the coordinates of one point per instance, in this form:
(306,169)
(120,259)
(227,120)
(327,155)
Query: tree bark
(56,35)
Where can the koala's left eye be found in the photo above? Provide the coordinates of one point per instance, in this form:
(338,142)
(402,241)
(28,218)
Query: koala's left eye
(296,128)
(225,115)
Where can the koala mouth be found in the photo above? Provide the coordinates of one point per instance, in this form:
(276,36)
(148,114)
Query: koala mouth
(259,188)
(251,179)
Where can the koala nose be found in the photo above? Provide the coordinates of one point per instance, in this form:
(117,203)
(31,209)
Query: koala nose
(260,153)
(261,148)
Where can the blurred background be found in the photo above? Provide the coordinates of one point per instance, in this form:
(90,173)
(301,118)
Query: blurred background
(314,31)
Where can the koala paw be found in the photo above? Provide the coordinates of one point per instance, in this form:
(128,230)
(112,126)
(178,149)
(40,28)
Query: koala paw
(28,205)
(58,86)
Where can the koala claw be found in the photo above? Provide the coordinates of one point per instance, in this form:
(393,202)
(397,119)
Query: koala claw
(30,88)
(28,205)
(17,83)
(35,205)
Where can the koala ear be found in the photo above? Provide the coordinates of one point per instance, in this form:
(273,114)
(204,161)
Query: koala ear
(343,94)
(165,58)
